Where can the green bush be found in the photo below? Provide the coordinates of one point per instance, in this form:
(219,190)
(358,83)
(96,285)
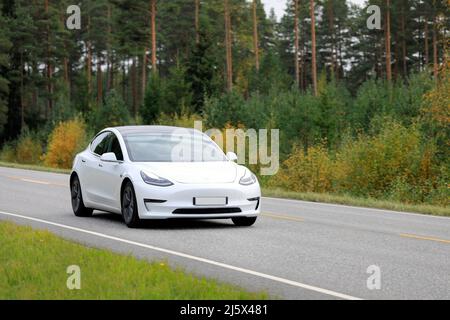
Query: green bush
(113,113)
(153,100)
(28,149)
(183,120)
(8,153)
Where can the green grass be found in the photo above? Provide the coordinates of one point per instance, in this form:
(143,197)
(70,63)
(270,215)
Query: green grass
(33,265)
(313,197)
(358,202)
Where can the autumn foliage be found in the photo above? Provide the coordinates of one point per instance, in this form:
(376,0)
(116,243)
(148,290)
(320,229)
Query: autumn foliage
(65,141)
(394,164)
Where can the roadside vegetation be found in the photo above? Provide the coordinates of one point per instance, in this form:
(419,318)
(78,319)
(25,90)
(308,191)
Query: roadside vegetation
(33,265)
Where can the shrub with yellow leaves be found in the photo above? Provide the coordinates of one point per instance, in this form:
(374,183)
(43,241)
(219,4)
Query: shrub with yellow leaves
(310,171)
(66,140)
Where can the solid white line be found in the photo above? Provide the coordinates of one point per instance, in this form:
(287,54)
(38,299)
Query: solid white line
(187,256)
(355,207)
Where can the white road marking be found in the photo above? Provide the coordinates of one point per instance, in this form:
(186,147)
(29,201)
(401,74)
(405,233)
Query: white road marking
(187,256)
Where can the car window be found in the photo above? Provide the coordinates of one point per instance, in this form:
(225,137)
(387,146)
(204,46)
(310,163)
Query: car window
(99,144)
(172,148)
(114,146)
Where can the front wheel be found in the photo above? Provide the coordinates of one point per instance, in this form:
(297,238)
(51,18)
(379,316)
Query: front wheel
(77,199)
(244,221)
(129,206)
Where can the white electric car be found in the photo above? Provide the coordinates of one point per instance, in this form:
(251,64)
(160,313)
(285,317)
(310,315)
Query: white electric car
(158,172)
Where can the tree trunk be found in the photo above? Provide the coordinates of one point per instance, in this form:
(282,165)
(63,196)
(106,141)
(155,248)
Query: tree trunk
(108,53)
(65,60)
(197,21)
(49,65)
(427,49)
(255,35)
(388,41)
(396,57)
(22,104)
(89,60)
(144,74)
(331,30)
(99,83)
(435,45)
(302,36)
(228,46)
(296,43)
(153,23)
(124,84)
(404,49)
(313,44)
(134,87)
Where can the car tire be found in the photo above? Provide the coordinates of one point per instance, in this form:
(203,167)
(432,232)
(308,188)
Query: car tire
(78,206)
(244,221)
(129,206)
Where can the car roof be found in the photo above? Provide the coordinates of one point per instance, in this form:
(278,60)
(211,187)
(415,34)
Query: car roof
(127,130)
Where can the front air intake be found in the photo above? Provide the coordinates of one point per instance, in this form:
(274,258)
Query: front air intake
(207,211)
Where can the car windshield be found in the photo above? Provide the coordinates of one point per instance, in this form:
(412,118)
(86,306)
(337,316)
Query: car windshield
(172,147)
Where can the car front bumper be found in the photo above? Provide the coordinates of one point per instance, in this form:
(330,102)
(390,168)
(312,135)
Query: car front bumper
(178,201)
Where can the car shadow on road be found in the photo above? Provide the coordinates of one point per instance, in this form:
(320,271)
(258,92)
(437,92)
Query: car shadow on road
(169,224)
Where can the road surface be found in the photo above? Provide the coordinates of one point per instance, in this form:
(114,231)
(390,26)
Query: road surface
(296,250)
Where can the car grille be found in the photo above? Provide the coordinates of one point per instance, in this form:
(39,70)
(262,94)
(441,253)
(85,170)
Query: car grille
(207,211)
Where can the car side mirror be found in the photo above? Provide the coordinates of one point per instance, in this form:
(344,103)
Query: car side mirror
(232,156)
(109,157)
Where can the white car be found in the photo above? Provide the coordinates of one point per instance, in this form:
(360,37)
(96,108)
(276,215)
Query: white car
(158,172)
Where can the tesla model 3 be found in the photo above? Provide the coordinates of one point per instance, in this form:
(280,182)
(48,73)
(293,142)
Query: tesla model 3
(159,172)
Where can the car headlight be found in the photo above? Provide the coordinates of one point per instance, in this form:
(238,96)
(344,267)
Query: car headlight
(248,178)
(154,180)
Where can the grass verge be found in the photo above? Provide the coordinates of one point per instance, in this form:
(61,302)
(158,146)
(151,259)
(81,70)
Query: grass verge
(313,197)
(32,167)
(33,265)
(358,202)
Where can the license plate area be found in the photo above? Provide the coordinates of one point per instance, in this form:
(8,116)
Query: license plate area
(210,201)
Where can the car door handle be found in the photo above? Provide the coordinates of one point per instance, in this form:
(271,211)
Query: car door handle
(84,161)
(100,165)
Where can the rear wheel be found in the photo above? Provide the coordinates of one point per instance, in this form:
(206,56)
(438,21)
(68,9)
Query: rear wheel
(244,221)
(77,199)
(129,206)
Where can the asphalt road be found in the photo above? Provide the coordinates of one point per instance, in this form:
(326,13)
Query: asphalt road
(296,250)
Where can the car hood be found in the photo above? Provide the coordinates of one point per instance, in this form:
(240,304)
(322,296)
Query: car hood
(194,172)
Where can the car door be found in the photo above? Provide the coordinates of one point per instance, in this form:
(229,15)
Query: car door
(90,167)
(109,175)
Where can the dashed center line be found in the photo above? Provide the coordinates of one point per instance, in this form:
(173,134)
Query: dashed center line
(35,181)
(279,217)
(47,183)
(413,236)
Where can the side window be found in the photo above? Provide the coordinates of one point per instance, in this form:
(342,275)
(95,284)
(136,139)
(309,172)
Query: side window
(114,146)
(99,145)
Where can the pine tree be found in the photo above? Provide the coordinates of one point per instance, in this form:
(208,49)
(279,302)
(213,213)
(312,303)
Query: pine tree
(5,46)
(313,48)
(228,46)
(255,34)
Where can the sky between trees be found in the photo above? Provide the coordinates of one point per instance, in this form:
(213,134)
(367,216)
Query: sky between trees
(280,6)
